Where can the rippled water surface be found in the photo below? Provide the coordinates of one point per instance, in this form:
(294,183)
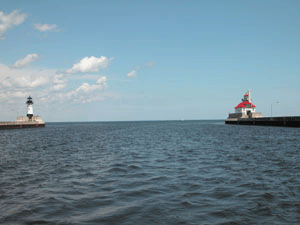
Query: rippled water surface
(174,172)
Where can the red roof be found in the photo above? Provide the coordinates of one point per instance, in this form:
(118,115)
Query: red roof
(244,105)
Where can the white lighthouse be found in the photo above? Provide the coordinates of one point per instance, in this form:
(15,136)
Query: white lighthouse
(29,103)
(30,119)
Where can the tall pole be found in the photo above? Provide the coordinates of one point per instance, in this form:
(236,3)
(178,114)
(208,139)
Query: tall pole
(271,109)
(271,106)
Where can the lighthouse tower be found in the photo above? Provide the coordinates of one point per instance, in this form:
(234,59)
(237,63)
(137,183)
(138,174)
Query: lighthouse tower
(29,103)
(245,107)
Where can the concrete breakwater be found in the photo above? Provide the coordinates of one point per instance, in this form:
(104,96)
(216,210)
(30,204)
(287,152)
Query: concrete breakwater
(18,125)
(285,121)
(23,122)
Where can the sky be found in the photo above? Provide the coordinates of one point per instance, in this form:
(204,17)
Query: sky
(126,60)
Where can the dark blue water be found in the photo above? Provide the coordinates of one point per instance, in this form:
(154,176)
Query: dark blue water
(175,172)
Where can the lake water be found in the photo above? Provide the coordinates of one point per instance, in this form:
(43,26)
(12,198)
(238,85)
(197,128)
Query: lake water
(166,172)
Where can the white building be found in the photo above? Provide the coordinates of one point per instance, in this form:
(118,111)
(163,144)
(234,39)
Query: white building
(245,109)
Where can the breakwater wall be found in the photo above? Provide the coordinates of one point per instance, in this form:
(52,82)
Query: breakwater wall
(286,121)
(17,125)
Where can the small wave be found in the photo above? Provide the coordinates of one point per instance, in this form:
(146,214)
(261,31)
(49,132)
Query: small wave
(222,213)
(191,194)
(288,204)
(268,196)
(159,178)
(135,167)
(143,174)
(114,215)
(35,222)
(117,165)
(253,185)
(186,204)
(264,211)
(221,193)
(231,223)
(117,170)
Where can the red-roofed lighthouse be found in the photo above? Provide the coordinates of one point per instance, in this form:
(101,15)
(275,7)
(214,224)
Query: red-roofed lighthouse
(245,106)
(245,109)
(245,115)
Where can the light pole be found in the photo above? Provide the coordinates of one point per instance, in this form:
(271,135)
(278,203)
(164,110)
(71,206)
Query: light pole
(271,106)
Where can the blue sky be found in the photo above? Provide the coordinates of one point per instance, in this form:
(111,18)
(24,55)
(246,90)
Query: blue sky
(148,60)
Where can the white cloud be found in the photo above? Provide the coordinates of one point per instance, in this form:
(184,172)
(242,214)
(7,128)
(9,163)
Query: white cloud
(26,60)
(86,77)
(89,64)
(45,27)
(19,94)
(133,73)
(8,21)
(58,87)
(17,84)
(100,85)
(59,83)
(85,87)
(102,81)
(85,93)
(25,79)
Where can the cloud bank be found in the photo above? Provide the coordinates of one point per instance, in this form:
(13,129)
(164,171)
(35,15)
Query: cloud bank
(48,86)
(89,64)
(132,73)
(9,21)
(45,27)
(26,60)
